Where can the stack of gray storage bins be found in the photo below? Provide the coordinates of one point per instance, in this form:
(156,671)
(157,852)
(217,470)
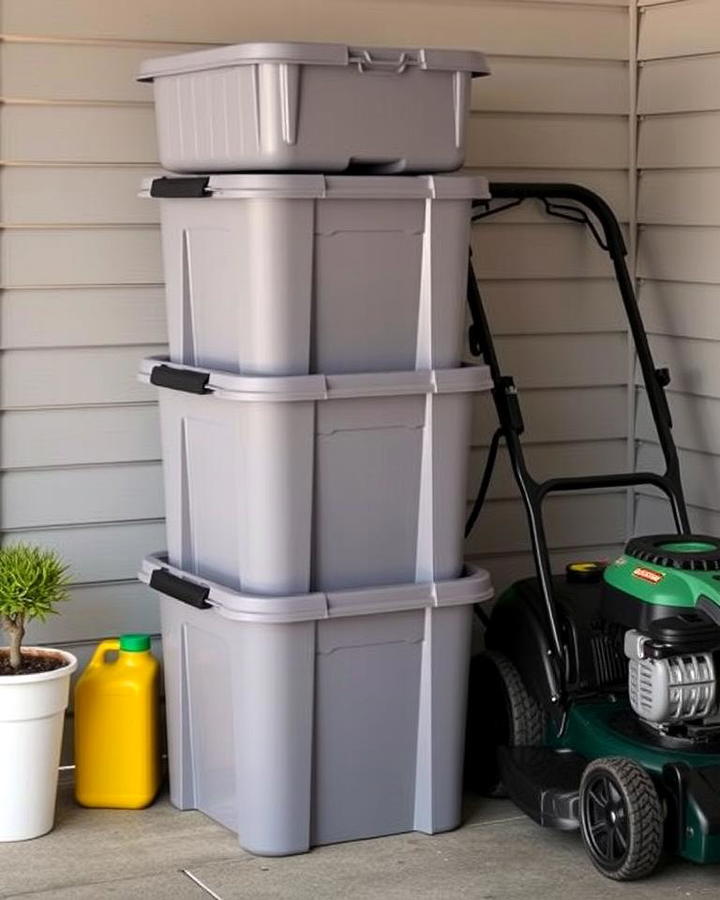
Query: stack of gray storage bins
(315,425)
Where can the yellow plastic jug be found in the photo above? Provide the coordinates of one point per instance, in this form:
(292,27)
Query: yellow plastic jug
(117,735)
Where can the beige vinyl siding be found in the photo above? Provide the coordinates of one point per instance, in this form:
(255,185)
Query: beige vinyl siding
(81,278)
(558,323)
(679,243)
(680,28)
(591,30)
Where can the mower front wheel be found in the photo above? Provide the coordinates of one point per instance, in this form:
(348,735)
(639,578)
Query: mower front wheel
(621,818)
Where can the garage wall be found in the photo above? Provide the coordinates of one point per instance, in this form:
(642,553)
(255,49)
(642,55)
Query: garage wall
(81,279)
(679,241)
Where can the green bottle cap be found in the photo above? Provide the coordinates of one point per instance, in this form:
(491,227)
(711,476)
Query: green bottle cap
(135,643)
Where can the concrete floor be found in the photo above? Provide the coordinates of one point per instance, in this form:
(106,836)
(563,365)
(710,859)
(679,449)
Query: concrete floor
(161,853)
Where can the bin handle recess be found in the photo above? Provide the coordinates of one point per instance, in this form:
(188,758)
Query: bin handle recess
(364,60)
(191,186)
(180,589)
(189,380)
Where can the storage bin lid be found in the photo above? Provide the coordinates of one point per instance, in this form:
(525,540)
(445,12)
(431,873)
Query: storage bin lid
(473,587)
(331,187)
(396,59)
(282,388)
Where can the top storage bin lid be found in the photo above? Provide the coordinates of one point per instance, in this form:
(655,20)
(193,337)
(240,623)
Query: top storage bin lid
(396,59)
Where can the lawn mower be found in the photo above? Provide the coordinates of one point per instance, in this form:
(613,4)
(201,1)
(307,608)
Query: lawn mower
(595,704)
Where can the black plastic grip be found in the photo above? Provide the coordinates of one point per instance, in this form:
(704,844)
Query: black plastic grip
(185,591)
(180,187)
(180,379)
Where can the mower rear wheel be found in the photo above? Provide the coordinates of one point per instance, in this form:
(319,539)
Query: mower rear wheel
(621,818)
(501,713)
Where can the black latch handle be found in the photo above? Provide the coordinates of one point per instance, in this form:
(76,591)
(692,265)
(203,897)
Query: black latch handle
(188,380)
(185,591)
(180,187)
(662,376)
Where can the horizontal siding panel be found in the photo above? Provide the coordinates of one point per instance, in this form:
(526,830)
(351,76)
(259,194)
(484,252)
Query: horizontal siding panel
(95,611)
(81,256)
(695,365)
(679,303)
(79,134)
(682,310)
(508,568)
(69,195)
(679,29)
(696,421)
(39,498)
(72,72)
(679,141)
(653,516)
(507,27)
(570,414)
(553,86)
(619,3)
(679,254)
(536,252)
(76,377)
(679,85)
(82,317)
(701,473)
(674,197)
(549,461)
(612,185)
(554,306)
(570,521)
(98,552)
(61,437)
(547,141)
(565,360)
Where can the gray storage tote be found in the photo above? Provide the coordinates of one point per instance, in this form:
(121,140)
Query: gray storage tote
(312,107)
(287,485)
(290,274)
(316,718)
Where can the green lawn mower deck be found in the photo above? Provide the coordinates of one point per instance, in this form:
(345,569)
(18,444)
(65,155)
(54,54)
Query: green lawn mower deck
(621,623)
(596,703)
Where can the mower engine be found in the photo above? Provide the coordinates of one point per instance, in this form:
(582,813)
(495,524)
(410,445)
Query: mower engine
(669,689)
(664,590)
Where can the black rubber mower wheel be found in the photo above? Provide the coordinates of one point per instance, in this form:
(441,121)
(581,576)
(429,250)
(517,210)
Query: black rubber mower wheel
(621,818)
(501,713)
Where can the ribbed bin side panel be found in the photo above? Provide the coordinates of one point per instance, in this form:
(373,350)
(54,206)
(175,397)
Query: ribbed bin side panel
(366,725)
(239,488)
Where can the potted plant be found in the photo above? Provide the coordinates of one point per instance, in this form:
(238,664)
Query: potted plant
(34,689)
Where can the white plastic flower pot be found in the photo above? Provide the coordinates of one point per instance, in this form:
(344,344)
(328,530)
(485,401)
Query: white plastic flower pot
(32,713)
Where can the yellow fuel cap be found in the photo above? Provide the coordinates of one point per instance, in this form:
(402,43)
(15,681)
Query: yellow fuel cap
(585,571)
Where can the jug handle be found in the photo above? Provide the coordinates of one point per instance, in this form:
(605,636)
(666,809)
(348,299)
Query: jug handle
(104,647)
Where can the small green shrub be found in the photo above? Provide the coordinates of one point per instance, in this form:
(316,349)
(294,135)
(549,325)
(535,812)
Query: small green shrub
(33,581)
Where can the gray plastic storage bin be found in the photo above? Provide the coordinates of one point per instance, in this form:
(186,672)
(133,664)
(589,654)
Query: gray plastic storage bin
(290,274)
(286,485)
(312,719)
(312,107)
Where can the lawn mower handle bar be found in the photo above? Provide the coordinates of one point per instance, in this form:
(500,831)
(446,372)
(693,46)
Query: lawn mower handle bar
(508,408)
(655,380)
